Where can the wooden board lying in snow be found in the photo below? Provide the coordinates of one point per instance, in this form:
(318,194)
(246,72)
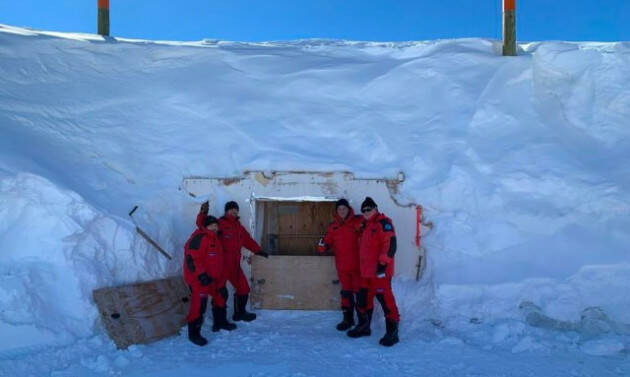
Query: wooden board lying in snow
(143,312)
(295,282)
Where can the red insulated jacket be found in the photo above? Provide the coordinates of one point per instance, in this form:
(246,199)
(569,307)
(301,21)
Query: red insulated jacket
(377,244)
(200,217)
(342,236)
(202,253)
(233,237)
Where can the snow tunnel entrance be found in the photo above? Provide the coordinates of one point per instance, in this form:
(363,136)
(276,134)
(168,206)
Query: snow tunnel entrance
(287,212)
(295,276)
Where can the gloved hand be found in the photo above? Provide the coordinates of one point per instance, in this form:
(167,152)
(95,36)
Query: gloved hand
(380,270)
(263,253)
(205,207)
(321,246)
(204,279)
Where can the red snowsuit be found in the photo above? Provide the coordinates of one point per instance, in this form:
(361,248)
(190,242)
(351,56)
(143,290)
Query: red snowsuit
(203,254)
(342,236)
(233,237)
(377,245)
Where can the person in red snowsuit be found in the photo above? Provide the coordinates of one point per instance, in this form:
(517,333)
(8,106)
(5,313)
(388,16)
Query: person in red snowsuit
(233,237)
(377,247)
(342,236)
(203,266)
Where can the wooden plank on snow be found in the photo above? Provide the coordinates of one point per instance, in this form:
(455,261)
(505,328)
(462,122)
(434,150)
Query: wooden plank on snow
(143,312)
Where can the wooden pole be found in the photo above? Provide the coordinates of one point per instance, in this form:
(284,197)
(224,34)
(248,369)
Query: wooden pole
(103,17)
(146,236)
(509,27)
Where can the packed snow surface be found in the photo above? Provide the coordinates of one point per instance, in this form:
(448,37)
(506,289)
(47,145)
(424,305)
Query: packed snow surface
(520,162)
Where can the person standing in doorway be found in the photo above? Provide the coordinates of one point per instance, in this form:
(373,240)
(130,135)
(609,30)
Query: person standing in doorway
(377,247)
(342,236)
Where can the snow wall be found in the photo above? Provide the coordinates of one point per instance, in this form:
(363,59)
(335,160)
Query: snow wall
(520,162)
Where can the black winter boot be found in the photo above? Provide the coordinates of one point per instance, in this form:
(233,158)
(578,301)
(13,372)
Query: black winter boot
(219,320)
(194,332)
(348,319)
(363,327)
(391,336)
(240,313)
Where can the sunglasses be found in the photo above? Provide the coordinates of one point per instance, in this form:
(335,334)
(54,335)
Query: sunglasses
(366,209)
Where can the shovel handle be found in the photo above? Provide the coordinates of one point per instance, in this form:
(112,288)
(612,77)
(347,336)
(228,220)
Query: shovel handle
(133,210)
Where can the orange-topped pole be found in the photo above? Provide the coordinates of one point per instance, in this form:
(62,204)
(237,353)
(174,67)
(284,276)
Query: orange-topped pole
(509,27)
(103,17)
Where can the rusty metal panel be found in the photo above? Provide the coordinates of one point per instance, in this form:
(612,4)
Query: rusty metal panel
(143,312)
(295,282)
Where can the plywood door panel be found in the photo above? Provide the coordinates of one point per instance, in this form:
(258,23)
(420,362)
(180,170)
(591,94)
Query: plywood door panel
(270,227)
(288,217)
(298,225)
(143,312)
(295,282)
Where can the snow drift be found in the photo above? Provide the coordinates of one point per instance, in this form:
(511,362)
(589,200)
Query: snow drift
(521,164)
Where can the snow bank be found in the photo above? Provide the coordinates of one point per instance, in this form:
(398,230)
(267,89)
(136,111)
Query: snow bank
(56,249)
(521,163)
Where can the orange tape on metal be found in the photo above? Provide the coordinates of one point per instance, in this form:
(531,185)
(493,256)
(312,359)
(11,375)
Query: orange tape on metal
(418,221)
(103,4)
(509,5)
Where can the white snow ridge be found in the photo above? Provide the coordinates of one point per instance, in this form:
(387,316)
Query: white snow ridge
(521,163)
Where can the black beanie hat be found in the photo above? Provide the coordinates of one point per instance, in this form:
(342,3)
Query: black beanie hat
(231,204)
(210,220)
(342,202)
(368,202)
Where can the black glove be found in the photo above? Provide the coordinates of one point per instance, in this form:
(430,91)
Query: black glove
(263,253)
(204,279)
(380,270)
(205,206)
(321,243)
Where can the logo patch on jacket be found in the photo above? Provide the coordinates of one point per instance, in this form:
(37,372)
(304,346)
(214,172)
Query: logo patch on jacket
(387,226)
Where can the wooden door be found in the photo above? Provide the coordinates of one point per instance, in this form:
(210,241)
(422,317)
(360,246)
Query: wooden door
(295,282)
(295,276)
(293,228)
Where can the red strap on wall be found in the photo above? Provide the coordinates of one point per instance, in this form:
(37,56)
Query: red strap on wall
(103,4)
(418,222)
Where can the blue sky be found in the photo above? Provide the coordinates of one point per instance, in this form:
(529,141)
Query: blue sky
(380,20)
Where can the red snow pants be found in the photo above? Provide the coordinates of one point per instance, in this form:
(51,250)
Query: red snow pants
(237,278)
(381,288)
(350,282)
(199,299)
